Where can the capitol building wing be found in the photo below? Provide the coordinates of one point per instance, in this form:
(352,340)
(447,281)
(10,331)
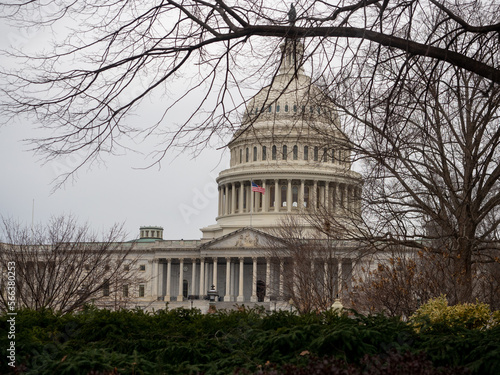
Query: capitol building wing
(290,157)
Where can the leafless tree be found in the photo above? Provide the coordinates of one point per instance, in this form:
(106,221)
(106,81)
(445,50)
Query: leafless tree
(64,266)
(311,271)
(400,283)
(426,142)
(120,53)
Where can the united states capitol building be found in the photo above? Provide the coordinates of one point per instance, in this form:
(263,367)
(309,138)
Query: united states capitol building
(280,166)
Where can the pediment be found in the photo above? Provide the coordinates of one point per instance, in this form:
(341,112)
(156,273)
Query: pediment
(245,238)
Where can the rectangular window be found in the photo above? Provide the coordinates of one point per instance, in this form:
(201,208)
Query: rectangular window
(284,152)
(125,290)
(316,153)
(306,153)
(264,152)
(105,289)
(142,267)
(126,267)
(141,290)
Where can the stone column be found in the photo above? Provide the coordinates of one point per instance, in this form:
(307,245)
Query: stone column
(221,200)
(268,280)
(338,201)
(252,199)
(254,298)
(265,198)
(180,296)
(240,198)
(155,279)
(314,204)
(193,276)
(214,278)
(227,297)
(161,275)
(327,195)
(241,297)
(301,195)
(169,276)
(277,196)
(226,199)
(233,198)
(202,277)
(289,196)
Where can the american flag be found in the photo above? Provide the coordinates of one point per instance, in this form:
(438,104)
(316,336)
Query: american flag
(258,188)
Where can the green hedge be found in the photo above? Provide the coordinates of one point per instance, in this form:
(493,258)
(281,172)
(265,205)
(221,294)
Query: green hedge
(185,341)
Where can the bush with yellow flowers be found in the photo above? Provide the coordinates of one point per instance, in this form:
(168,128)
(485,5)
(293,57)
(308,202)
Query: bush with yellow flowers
(436,314)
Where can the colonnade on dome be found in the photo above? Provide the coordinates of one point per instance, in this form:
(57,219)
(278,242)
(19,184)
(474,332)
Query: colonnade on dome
(288,196)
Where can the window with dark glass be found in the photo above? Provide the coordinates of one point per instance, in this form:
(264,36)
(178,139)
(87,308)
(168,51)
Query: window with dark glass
(264,152)
(333,155)
(283,196)
(284,152)
(105,288)
(247,154)
(141,290)
(255,154)
(286,107)
(306,196)
(325,155)
(274,152)
(277,108)
(241,155)
(272,196)
(306,153)
(316,153)
(295,196)
(295,152)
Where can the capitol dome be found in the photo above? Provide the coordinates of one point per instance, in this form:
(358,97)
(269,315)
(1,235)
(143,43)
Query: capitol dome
(291,145)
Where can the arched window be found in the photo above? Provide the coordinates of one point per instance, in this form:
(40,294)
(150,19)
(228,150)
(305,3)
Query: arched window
(270,109)
(306,196)
(295,152)
(306,152)
(241,155)
(295,196)
(325,154)
(340,156)
(286,107)
(277,108)
(247,155)
(333,155)
(283,196)
(264,152)
(255,154)
(315,153)
(284,152)
(274,152)
(295,107)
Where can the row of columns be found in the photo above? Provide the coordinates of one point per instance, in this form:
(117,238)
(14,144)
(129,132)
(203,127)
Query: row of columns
(233,199)
(205,284)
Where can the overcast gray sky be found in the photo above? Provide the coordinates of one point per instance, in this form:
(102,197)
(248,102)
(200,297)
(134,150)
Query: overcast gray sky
(180,196)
